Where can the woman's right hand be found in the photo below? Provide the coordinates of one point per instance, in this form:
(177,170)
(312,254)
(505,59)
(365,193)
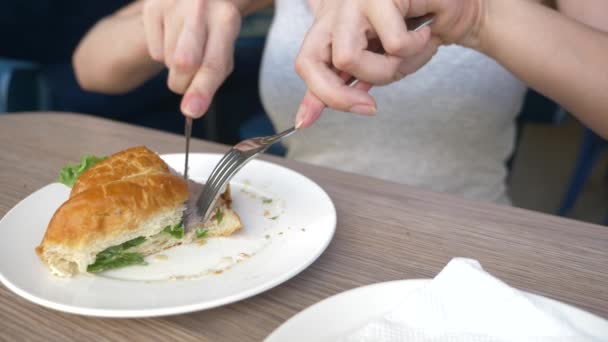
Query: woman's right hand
(195,40)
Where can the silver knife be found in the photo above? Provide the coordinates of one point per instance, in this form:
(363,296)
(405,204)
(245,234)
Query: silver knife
(188,134)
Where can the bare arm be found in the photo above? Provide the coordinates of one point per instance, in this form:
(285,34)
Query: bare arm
(563,58)
(114,58)
(560,57)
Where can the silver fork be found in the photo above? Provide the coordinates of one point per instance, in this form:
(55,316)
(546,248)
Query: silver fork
(248,149)
(230,164)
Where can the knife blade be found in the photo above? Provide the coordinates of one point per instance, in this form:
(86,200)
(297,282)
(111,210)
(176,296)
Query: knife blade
(188,134)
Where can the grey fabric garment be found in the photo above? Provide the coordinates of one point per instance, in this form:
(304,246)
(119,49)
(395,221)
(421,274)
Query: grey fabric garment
(449,127)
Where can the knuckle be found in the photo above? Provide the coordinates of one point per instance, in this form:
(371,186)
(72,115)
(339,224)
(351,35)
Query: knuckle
(185,61)
(394,45)
(216,67)
(227,13)
(156,55)
(197,7)
(400,73)
(150,6)
(344,61)
(300,66)
(175,86)
(337,104)
(230,67)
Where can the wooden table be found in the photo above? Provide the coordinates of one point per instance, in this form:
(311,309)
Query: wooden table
(385,232)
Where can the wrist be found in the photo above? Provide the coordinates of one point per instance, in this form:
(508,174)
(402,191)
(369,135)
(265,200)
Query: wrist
(484,29)
(478,17)
(497,20)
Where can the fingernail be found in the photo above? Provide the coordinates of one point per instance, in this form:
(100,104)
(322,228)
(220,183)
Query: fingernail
(194,107)
(300,117)
(363,109)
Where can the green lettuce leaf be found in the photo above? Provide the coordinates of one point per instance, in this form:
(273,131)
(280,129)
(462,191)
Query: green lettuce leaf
(176,231)
(71,172)
(117,256)
(219,215)
(201,232)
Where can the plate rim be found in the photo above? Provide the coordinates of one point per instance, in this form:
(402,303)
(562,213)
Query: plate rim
(182,309)
(414,283)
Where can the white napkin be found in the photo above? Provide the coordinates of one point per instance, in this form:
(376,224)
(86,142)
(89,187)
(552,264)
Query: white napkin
(465,303)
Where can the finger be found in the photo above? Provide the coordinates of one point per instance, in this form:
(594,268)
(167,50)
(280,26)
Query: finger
(371,67)
(312,64)
(153,27)
(414,63)
(311,106)
(188,54)
(218,60)
(172,26)
(389,24)
(309,111)
(350,54)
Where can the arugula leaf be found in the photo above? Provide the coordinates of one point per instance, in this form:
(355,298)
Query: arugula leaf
(201,232)
(116,261)
(116,256)
(71,172)
(132,243)
(176,231)
(219,215)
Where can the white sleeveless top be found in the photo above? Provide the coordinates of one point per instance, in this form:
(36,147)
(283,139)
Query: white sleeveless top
(450,127)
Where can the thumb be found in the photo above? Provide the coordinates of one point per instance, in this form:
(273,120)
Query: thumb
(311,106)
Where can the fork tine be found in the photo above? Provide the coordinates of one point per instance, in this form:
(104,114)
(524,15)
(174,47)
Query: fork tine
(211,193)
(226,163)
(214,183)
(221,162)
(230,164)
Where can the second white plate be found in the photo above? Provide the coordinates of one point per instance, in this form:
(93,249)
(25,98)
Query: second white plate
(339,315)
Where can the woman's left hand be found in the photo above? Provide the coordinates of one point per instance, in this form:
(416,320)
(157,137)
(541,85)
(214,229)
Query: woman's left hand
(341,43)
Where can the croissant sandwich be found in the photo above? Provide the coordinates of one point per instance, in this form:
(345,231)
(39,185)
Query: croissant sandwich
(123,208)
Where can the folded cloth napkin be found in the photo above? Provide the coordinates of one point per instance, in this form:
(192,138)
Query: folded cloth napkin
(465,303)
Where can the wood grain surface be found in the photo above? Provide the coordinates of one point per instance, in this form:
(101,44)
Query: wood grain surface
(385,232)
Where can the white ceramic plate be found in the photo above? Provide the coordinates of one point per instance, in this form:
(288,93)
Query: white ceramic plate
(341,314)
(288,222)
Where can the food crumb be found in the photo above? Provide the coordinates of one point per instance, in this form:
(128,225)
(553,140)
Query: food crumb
(244,255)
(267,236)
(266,200)
(280,233)
(161,257)
(303,229)
(266,213)
(274,217)
(201,242)
(218,272)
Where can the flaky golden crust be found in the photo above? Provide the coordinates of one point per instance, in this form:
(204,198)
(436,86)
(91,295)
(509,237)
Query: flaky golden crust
(130,194)
(107,211)
(132,162)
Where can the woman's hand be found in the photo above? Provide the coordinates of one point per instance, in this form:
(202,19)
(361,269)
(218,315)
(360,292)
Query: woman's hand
(195,40)
(342,40)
